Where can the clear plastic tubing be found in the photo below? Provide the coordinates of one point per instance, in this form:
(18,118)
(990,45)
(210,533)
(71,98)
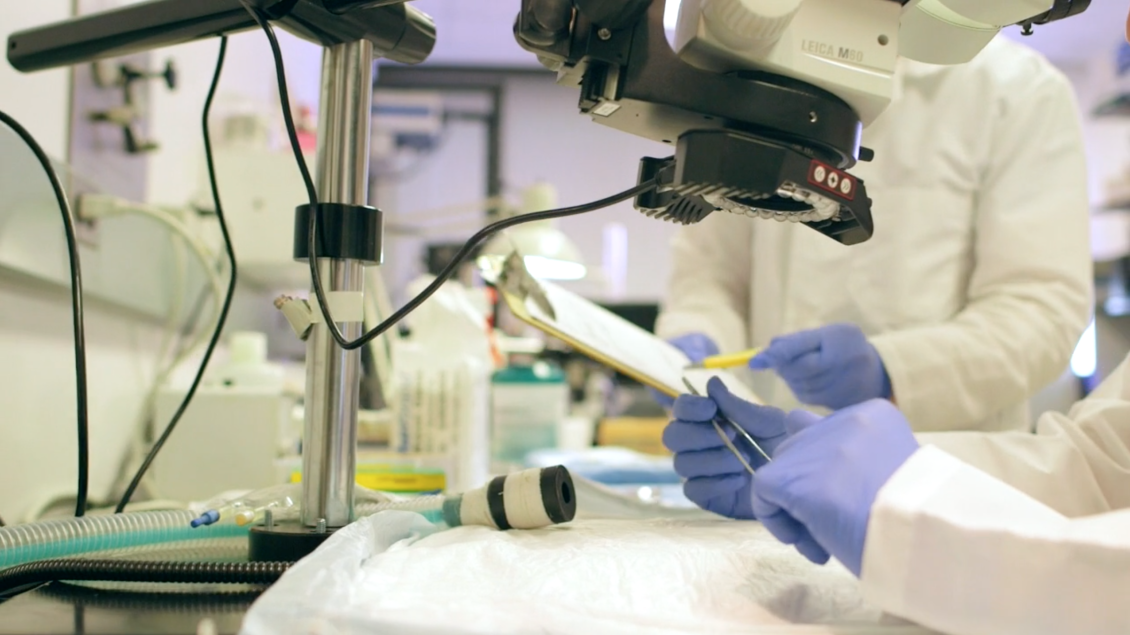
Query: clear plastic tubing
(430,507)
(233,549)
(76,536)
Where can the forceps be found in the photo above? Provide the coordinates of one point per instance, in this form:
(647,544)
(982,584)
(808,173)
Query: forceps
(725,439)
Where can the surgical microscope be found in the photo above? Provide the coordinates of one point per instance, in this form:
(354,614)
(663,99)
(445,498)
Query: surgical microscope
(762,101)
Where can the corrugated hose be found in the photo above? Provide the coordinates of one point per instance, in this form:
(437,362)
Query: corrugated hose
(31,573)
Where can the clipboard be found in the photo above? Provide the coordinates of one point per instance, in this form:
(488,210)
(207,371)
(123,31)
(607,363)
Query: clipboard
(602,335)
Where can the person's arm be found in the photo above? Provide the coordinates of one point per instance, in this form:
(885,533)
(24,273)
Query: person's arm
(1077,464)
(1011,533)
(956,550)
(709,288)
(1030,290)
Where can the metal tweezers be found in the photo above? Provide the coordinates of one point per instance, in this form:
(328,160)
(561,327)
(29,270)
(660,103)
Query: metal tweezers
(725,439)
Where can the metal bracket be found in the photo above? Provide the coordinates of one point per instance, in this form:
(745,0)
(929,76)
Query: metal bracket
(298,314)
(516,280)
(129,115)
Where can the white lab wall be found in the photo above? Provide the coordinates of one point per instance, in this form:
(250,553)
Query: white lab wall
(1084,48)
(475,33)
(39,101)
(248,84)
(37,427)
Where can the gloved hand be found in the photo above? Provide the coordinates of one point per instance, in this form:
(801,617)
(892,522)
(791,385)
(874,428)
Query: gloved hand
(818,491)
(832,366)
(697,347)
(716,479)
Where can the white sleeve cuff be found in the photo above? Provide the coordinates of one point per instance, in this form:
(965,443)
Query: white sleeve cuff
(942,534)
(890,529)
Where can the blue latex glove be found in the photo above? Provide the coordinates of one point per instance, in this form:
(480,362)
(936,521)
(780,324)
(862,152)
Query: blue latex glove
(716,480)
(696,346)
(818,491)
(832,366)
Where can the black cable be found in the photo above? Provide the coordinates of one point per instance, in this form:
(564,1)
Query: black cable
(33,573)
(212,602)
(160,443)
(466,250)
(2,523)
(76,310)
(449,270)
(473,242)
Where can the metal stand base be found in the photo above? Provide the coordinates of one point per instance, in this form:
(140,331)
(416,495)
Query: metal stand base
(285,542)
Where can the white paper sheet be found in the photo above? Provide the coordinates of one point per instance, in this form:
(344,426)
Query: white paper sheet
(627,344)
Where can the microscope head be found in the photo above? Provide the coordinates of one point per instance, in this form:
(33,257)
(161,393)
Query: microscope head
(763,101)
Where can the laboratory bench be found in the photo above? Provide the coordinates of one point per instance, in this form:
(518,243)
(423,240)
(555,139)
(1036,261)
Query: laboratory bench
(63,609)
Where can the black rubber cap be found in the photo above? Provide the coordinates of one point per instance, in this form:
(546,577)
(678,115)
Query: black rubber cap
(352,232)
(558,494)
(284,543)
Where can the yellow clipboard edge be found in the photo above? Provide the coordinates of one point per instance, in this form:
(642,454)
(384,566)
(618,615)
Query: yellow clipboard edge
(518,308)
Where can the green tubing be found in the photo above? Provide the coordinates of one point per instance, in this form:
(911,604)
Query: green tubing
(155,533)
(76,536)
(232,549)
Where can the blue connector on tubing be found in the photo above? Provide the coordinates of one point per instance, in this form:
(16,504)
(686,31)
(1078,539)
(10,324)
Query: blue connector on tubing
(207,518)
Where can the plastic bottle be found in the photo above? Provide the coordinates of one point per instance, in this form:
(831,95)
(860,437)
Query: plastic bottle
(442,385)
(529,404)
(247,365)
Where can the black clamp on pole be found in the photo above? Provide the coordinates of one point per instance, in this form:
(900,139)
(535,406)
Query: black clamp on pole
(351,232)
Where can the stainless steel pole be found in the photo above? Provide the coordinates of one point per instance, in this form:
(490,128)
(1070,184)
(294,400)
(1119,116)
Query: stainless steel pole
(333,375)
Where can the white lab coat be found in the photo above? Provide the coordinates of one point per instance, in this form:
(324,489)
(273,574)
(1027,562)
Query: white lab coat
(977,283)
(1041,546)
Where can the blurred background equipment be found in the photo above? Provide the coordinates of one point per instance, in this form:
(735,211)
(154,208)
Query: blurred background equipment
(548,253)
(239,430)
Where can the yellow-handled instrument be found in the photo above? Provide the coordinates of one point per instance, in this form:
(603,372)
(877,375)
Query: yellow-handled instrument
(729,360)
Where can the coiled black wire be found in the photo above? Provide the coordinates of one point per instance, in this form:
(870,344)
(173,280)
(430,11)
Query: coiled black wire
(212,603)
(32,573)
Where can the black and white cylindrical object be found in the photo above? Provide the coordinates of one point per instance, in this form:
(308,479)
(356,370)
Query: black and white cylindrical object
(529,499)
